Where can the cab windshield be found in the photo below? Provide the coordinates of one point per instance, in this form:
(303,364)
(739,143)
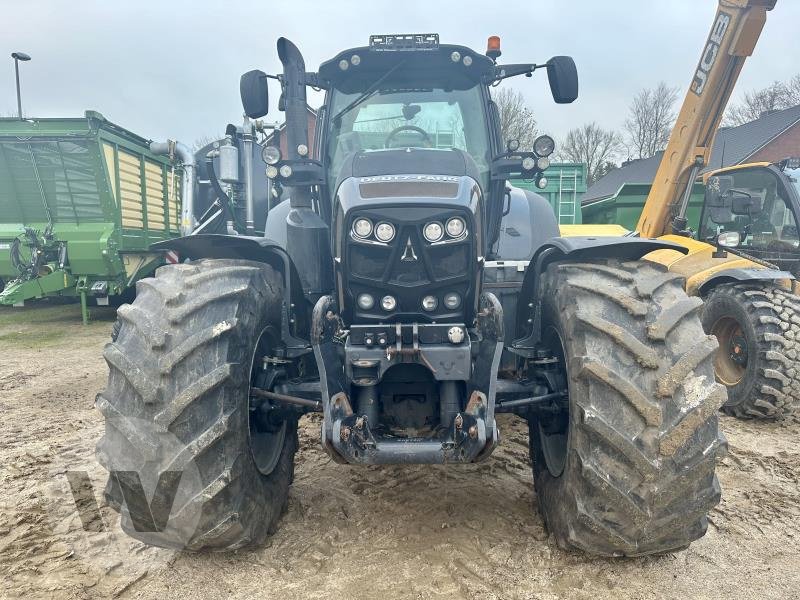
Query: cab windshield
(756,204)
(402,118)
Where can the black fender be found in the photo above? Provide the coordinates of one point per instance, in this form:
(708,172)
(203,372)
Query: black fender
(570,249)
(297,311)
(740,276)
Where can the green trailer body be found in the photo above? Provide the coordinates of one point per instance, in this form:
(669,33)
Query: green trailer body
(566,185)
(87,195)
(624,207)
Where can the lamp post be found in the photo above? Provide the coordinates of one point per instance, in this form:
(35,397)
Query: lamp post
(19,56)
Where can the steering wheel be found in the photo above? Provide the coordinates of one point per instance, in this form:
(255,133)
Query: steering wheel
(387,143)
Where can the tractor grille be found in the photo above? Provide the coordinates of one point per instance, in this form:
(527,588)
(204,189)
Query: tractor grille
(408,268)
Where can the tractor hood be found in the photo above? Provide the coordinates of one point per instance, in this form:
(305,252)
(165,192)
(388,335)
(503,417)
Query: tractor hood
(407,173)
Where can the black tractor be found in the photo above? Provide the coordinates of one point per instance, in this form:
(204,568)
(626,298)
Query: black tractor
(405,290)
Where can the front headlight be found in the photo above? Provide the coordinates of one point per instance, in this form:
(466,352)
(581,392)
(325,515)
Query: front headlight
(544,145)
(365,301)
(362,228)
(384,232)
(433,232)
(271,155)
(456,227)
(388,303)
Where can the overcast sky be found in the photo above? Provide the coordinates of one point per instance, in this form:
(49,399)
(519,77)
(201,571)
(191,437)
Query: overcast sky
(171,68)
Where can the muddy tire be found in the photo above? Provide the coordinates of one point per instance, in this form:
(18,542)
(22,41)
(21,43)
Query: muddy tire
(759,334)
(630,470)
(177,401)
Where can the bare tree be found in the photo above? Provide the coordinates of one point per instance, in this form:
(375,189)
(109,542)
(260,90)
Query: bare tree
(776,96)
(516,117)
(650,118)
(593,145)
(793,90)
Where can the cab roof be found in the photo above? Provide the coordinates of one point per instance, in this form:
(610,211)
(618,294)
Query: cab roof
(412,60)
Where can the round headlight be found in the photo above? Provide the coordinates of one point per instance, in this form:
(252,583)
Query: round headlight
(355,60)
(543,163)
(544,145)
(384,232)
(302,150)
(467,61)
(433,232)
(365,301)
(362,228)
(285,171)
(430,303)
(272,172)
(271,155)
(528,163)
(452,301)
(456,227)
(388,303)
(455,56)
(344,65)
(542,183)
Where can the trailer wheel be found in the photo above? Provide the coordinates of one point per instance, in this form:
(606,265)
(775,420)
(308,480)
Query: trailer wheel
(629,469)
(177,401)
(759,338)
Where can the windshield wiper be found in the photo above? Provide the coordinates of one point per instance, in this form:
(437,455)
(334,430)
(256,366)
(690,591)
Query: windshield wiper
(368,93)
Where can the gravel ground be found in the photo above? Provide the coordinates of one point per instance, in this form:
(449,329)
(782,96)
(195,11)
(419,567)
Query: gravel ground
(354,532)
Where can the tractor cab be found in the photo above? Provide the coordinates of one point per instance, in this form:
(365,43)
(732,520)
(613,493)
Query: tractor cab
(754,209)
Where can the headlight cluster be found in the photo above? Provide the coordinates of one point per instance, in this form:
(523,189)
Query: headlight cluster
(455,228)
(367,302)
(363,229)
(451,301)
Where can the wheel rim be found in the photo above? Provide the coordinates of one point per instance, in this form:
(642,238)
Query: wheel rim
(730,361)
(554,429)
(266,437)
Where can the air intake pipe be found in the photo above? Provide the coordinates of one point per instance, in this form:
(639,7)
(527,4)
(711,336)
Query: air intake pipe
(307,235)
(173,148)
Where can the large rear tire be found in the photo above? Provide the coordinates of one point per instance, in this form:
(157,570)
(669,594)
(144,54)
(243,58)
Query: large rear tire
(759,336)
(177,401)
(630,469)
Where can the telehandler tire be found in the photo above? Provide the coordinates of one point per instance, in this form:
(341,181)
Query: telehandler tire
(759,336)
(629,470)
(177,401)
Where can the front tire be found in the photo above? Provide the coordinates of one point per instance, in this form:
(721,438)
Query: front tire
(759,338)
(629,469)
(177,401)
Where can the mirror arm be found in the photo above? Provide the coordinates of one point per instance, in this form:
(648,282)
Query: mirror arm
(505,71)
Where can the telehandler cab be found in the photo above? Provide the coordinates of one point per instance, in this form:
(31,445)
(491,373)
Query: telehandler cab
(408,293)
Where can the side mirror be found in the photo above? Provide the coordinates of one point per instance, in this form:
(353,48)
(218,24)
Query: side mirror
(743,203)
(563,77)
(718,199)
(254,91)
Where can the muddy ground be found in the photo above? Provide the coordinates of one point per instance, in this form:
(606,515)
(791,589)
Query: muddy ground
(398,532)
